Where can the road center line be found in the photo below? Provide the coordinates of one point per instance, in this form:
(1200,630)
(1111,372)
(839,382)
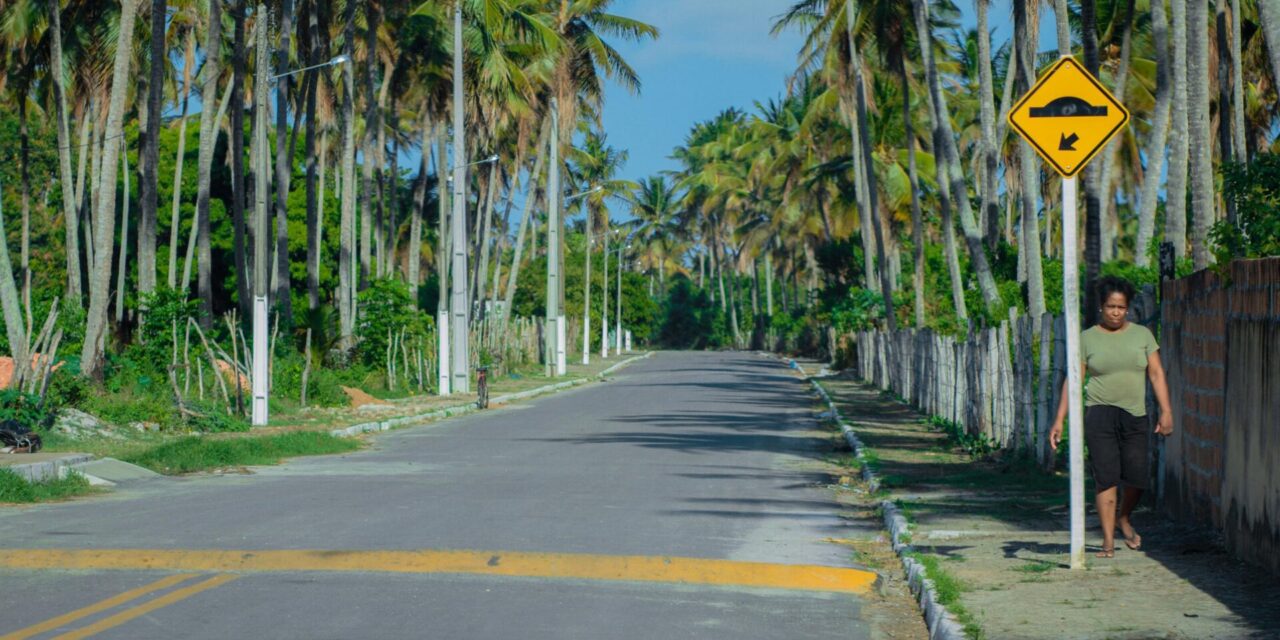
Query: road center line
(103,605)
(146,607)
(664,569)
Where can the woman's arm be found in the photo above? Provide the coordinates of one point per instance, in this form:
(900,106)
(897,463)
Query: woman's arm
(1155,373)
(1055,433)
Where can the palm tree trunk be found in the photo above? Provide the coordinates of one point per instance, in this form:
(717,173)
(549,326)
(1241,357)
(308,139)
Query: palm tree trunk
(194,240)
(990,202)
(1269,19)
(865,219)
(733,305)
(954,174)
(1108,155)
(1175,231)
(70,215)
(1159,136)
(1237,86)
(284,165)
(121,274)
(481,269)
(346,283)
(309,144)
(104,238)
(372,125)
(392,177)
(1202,196)
(1026,21)
(24,157)
(917,218)
(151,153)
(873,206)
(208,141)
(414,267)
(188,63)
(239,63)
(1091,174)
(525,211)
(10,304)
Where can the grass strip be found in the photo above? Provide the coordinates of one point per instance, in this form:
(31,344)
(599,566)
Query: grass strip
(949,588)
(16,489)
(191,454)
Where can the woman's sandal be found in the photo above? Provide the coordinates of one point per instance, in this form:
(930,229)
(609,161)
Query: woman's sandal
(1106,553)
(1134,543)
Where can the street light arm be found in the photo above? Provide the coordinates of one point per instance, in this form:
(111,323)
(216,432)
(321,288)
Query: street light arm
(336,60)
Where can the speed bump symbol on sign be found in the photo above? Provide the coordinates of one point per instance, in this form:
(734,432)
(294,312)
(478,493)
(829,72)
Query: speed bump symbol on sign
(1068,117)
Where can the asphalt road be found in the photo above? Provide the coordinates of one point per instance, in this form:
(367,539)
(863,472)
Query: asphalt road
(676,500)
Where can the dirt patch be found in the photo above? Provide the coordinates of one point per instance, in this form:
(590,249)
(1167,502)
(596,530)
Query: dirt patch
(1001,529)
(360,398)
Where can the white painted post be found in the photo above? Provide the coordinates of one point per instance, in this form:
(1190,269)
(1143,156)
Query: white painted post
(1075,409)
(442,349)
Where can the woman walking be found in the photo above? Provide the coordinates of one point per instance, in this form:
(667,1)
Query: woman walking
(1118,357)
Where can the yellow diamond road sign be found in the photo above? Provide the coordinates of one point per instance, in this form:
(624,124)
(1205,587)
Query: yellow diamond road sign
(1068,116)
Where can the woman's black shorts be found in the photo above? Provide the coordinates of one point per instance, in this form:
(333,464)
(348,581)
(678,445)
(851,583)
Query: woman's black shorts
(1117,443)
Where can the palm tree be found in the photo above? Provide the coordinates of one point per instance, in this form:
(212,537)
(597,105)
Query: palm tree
(150,152)
(1202,197)
(950,158)
(1159,135)
(1175,231)
(1026,19)
(104,213)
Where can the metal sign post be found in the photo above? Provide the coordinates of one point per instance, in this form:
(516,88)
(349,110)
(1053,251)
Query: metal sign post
(1068,117)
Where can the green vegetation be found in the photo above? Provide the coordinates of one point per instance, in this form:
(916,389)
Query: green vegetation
(192,453)
(1035,567)
(949,589)
(15,489)
(976,445)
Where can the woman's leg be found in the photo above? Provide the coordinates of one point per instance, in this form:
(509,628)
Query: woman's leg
(1131,497)
(1105,501)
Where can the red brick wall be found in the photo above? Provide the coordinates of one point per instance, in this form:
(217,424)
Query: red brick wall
(1220,344)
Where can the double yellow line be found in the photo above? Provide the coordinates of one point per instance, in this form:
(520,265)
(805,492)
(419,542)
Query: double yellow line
(118,600)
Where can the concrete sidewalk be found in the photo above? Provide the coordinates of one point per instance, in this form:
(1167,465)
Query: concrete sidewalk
(999,529)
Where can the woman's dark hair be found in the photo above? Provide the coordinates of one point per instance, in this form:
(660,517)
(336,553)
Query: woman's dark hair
(1112,284)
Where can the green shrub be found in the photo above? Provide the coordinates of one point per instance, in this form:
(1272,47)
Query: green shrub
(26,409)
(385,310)
(1254,189)
(15,488)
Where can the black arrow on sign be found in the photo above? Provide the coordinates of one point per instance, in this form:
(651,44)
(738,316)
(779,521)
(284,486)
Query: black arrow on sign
(1068,143)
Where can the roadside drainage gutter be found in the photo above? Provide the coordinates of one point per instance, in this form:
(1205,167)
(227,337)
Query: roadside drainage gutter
(941,623)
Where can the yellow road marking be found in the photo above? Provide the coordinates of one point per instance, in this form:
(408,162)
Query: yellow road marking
(146,607)
(109,603)
(693,571)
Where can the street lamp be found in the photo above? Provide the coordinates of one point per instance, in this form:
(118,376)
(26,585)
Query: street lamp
(586,298)
(260,330)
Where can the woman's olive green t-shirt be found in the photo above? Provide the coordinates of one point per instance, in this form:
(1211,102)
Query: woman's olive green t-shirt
(1116,363)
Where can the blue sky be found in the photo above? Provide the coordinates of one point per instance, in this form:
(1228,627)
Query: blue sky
(715,54)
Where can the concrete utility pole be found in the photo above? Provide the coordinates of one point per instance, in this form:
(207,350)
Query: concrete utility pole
(459,331)
(604,306)
(261,262)
(554,325)
(617,333)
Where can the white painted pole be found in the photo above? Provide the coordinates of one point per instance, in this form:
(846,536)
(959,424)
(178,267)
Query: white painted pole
(1075,408)
(561,363)
(604,305)
(555,348)
(442,349)
(459,333)
(259,412)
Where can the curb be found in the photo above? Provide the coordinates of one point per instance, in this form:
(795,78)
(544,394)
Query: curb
(48,469)
(464,409)
(941,624)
